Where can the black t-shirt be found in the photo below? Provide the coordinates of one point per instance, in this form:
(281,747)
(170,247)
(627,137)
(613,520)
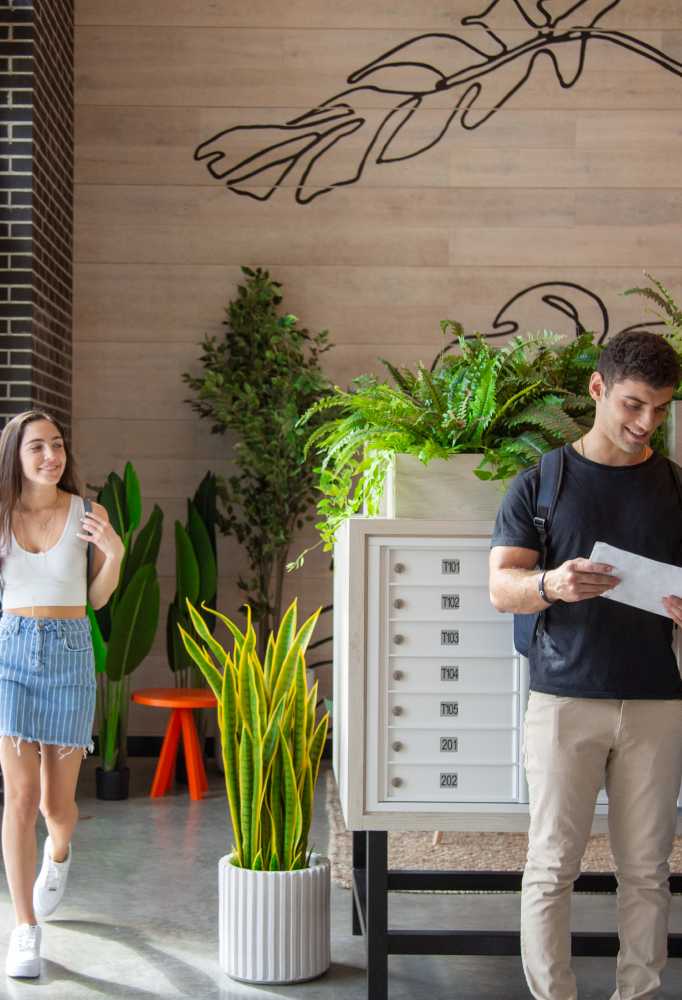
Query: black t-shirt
(600,648)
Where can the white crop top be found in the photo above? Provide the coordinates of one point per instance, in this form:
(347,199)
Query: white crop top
(56,577)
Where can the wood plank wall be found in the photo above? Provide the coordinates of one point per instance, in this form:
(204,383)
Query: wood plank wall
(563,184)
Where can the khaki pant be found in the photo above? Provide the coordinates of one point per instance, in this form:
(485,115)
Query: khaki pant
(571,746)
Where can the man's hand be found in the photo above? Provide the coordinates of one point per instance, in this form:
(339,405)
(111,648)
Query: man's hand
(673,605)
(581,579)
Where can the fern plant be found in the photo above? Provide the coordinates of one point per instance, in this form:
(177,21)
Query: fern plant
(509,404)
(666,308)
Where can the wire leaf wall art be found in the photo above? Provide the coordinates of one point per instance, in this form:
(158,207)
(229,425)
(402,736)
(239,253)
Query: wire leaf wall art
(479,71)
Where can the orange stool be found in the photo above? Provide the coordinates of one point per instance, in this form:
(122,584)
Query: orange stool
(181,701)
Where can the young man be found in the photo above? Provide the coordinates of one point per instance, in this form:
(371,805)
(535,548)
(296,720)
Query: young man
(606,694)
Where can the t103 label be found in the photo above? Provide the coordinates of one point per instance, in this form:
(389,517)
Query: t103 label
(449,637)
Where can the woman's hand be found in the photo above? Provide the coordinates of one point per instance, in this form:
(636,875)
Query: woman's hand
(97,529)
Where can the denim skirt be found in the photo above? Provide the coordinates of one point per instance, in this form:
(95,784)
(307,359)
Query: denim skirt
(47,680)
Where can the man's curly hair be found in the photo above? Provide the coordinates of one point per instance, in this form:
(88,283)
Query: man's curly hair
(641,355)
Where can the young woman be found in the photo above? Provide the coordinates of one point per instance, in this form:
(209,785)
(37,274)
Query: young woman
(47,677)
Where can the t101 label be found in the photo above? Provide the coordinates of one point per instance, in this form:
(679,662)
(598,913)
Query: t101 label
(449,566)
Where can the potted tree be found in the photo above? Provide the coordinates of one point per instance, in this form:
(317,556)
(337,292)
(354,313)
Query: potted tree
(255,384)
(123,630)
(272,745)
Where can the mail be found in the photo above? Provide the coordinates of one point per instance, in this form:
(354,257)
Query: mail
(643,582)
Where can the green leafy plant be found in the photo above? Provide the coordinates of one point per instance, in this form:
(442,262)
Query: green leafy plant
(271,742)
(256,383)
(123,630)
(666,309)
(196,577)
(509,404)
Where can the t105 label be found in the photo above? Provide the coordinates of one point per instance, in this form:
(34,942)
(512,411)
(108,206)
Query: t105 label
(449,708)
(448,779)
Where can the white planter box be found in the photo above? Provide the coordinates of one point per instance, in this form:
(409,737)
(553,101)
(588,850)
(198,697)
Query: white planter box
(445,489)
(275,926)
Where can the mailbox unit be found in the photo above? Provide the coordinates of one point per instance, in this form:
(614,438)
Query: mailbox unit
(428,689)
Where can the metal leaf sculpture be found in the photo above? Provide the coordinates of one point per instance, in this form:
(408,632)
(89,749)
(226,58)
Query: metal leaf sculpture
(481,72)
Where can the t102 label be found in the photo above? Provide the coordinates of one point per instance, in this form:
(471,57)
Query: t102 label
(449,673)
(449,602)
(448,744)
(449,566)
(448,779)
(449,708)
(449,637)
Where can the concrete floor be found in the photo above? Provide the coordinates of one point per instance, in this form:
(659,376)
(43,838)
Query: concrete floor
(140,917)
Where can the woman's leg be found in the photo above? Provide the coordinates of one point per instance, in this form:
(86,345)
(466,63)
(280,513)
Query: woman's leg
(59,777)
(21,775)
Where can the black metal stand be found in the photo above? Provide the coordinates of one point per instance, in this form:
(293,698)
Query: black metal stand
(372,882)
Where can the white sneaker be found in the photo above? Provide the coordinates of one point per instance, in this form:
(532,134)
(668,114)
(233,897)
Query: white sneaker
(51,882)
(23,956)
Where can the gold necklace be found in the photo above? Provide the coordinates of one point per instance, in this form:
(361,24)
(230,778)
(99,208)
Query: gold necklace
(581,442)
(44,528)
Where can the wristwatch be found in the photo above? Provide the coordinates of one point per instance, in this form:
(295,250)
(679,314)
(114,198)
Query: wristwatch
(541,589)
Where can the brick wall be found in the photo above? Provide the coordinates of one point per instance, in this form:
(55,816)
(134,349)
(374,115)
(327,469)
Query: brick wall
(36,165)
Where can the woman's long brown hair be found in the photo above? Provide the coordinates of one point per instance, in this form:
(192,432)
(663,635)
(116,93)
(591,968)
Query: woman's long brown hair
(11,476)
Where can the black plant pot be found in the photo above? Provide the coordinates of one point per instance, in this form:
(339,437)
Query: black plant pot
(112,786)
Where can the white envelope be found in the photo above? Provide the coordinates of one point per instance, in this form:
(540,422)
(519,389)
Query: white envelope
(643,582)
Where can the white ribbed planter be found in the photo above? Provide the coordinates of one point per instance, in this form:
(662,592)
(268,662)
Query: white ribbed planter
(443,490)
(274,926)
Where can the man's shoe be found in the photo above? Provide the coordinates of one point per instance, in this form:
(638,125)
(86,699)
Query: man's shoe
(51,882)
(23,956)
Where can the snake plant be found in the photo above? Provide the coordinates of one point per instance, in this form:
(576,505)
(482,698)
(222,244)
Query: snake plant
(271,741)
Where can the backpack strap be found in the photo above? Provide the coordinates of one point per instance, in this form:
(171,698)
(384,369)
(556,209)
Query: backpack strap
(677,477)
(87,507)
(551,466)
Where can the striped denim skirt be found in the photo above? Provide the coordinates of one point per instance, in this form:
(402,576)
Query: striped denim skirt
(47,680)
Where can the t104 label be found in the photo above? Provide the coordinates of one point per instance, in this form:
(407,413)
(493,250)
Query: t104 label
(449,673)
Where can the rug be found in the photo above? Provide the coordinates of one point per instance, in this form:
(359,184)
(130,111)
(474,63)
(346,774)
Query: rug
(456,851)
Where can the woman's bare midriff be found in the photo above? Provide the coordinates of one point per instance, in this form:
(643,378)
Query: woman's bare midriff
(51,611)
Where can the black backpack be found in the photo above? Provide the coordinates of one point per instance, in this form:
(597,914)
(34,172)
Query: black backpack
(551,466)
